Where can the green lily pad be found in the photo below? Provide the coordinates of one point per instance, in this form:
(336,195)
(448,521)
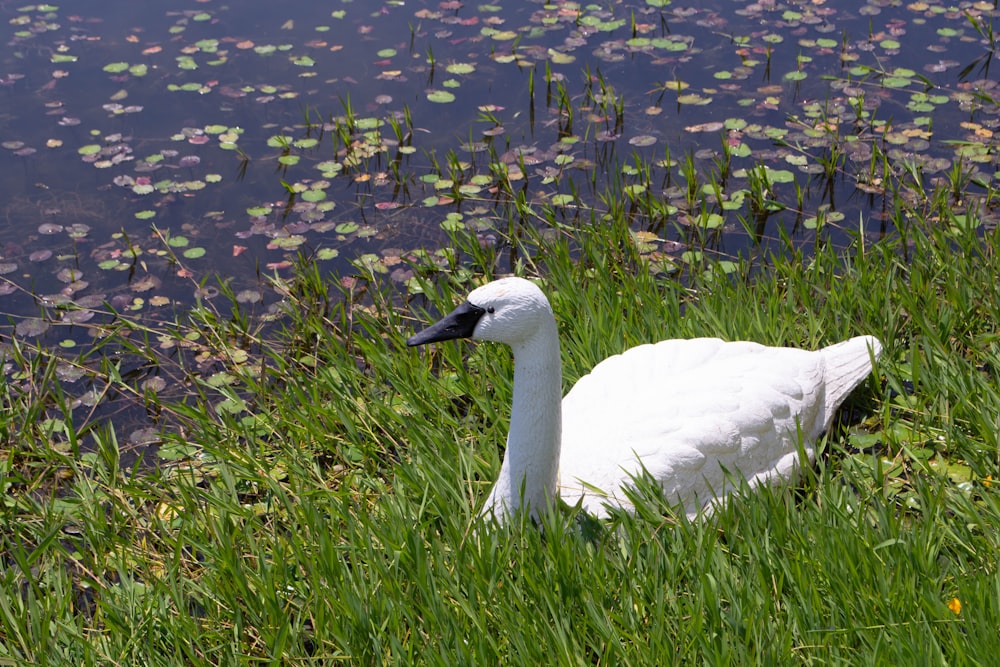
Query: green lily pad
(693,99)
(289,242)
(895,82)
(711,221)
(440,96)
(452,224)
(560,58)
(780,176)
(313,195)
(330,168)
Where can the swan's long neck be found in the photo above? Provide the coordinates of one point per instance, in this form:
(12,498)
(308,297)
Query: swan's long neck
(531,463)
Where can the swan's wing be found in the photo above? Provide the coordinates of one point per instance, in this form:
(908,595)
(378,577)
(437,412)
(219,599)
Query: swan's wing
(691,414)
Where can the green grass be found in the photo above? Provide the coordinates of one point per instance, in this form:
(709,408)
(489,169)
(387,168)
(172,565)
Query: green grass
(316,504)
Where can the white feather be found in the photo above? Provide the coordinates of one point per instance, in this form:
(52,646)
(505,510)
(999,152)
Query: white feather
(696,415)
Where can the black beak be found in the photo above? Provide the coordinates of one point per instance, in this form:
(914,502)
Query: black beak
(459,323)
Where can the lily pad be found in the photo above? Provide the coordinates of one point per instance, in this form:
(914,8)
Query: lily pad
(440,96)
(461,68)
(31,327)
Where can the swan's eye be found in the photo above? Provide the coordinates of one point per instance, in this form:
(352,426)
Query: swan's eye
(490,309)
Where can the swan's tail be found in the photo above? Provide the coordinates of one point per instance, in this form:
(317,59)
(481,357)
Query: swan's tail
(847,364)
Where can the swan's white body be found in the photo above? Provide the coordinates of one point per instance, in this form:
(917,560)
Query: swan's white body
(698,416)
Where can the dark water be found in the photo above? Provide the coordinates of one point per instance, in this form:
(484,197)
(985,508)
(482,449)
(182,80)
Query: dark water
(120,117)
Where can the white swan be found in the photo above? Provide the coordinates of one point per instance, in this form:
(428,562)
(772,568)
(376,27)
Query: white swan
(696,415)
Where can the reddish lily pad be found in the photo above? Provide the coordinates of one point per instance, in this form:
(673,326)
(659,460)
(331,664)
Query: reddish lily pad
(31,327)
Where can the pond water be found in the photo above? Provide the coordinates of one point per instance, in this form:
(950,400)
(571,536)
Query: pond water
(147,151)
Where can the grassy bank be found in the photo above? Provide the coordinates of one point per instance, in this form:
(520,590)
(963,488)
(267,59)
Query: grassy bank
(316,502)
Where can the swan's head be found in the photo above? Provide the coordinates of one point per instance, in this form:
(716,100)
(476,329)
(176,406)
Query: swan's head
(509,310)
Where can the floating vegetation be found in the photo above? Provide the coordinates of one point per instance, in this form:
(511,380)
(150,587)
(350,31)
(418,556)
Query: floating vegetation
(151,155)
